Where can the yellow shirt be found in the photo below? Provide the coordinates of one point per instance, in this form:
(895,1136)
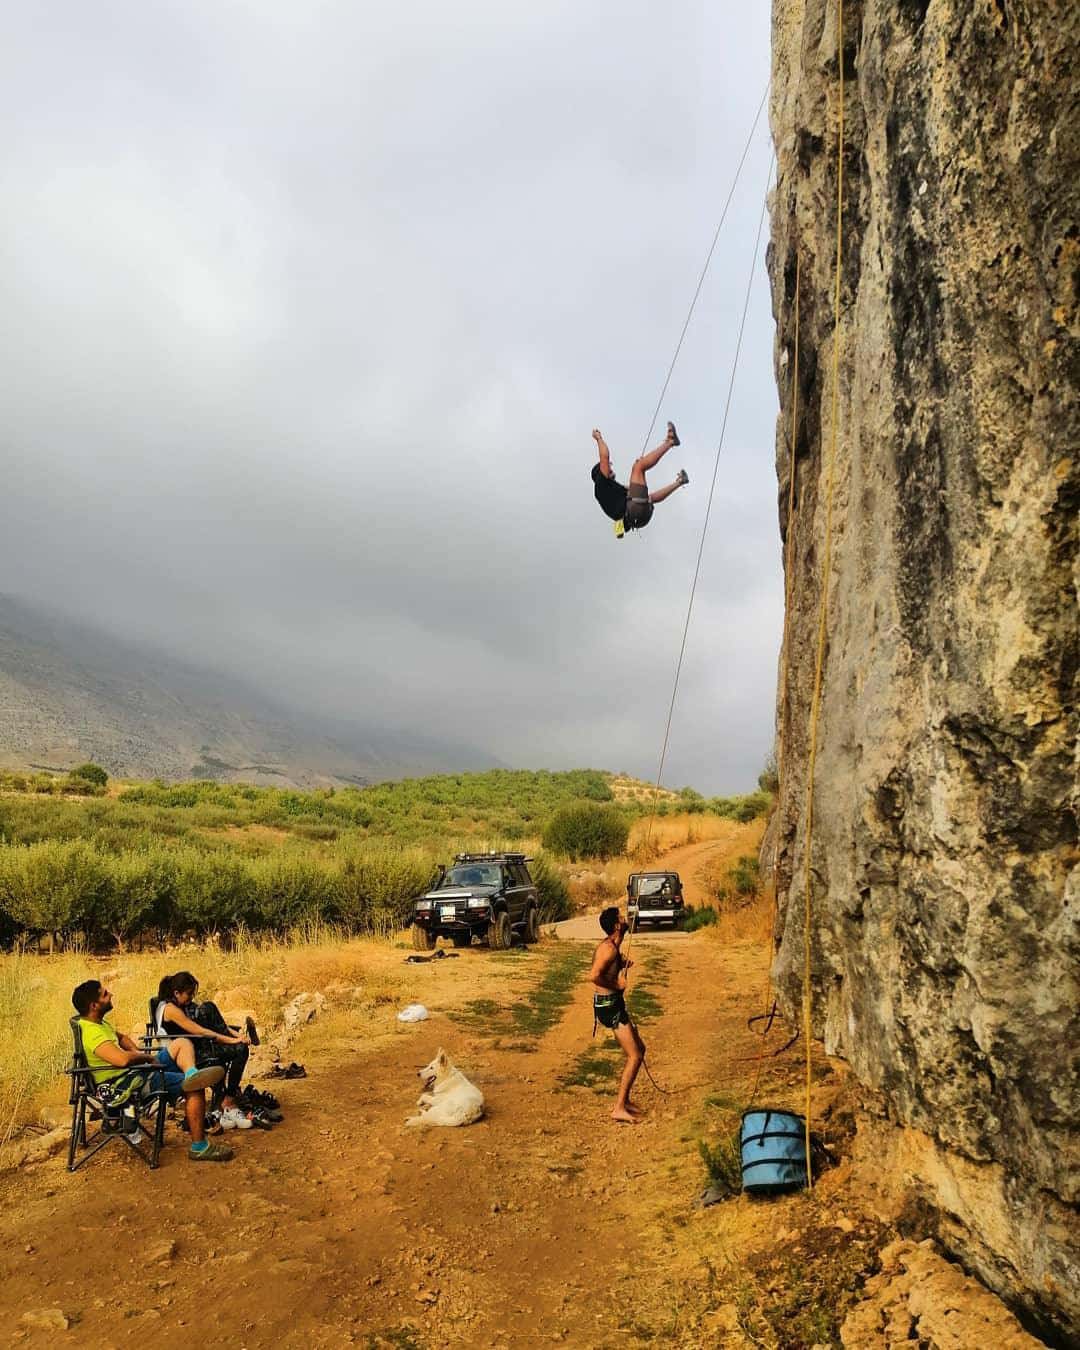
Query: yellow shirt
(93,1035)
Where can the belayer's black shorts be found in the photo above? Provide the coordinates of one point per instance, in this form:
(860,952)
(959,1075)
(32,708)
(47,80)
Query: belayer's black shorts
(610,1010)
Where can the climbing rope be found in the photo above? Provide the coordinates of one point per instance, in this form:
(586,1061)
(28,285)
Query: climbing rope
(789,541)
(704,272)
(815,704)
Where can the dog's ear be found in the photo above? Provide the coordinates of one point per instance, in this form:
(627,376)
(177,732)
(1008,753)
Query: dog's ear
(440,1057)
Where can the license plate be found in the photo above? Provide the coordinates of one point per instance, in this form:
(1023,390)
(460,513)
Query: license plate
(446,911)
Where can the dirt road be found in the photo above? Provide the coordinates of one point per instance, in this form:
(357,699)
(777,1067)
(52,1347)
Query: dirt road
(545,1223)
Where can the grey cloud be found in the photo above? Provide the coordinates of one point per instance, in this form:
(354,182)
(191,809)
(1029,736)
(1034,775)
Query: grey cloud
(310,312)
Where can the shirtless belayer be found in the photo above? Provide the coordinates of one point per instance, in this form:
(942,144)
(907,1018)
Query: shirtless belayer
(608,975)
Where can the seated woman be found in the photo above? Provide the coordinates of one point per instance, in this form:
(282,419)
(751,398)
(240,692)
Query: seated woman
(175,1014)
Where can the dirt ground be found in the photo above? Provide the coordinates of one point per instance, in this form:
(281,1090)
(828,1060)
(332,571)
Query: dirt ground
(545,1223)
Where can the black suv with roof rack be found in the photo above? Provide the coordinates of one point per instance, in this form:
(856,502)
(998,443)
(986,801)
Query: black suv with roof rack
(483,895)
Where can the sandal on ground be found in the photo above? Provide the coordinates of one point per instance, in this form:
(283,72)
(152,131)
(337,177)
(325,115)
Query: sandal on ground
(673,435)
(249,1026)
(293,1070)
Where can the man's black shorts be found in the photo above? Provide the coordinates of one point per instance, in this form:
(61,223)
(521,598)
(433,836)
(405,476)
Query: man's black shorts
(610,1010)
(610,493)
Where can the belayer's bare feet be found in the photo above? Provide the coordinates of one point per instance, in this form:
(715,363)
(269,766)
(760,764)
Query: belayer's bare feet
(623,1117)
(672,435)
(634,1110)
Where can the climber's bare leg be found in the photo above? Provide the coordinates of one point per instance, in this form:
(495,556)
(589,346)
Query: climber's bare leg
(661,493)
(649,461)
(605,454)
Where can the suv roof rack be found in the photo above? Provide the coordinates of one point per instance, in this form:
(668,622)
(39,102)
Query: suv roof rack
(490,857)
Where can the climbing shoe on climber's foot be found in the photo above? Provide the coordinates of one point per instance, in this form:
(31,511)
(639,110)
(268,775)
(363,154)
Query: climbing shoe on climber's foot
(682,478)
(672,434)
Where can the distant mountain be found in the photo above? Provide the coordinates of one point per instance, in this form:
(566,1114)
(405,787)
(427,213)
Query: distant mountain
(70,692)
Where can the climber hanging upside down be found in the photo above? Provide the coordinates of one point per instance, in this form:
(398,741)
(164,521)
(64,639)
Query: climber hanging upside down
(631,507)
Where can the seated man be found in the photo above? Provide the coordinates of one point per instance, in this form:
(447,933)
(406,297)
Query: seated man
(109,1054)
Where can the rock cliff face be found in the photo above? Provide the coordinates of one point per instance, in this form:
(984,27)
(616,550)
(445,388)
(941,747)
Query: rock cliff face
(944,854)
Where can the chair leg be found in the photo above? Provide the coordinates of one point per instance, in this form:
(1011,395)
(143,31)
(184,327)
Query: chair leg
(78,1130)
(159,1131)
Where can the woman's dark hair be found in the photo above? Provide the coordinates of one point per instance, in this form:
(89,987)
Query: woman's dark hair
(609,918)
(183,982)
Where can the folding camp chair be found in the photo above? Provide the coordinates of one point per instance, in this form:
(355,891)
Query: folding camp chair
(135,1102)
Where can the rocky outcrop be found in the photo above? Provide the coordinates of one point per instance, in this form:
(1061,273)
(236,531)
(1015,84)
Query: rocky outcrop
(944,856)
(920,1299)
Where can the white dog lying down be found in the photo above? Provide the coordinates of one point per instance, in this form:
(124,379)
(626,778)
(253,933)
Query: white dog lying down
(448,1097)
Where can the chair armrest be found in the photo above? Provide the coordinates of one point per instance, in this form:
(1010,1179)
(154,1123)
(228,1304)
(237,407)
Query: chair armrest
(127,1068)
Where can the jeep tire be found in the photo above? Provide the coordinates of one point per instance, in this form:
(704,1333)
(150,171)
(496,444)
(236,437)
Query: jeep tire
(500,934)
(422,938)
(531,931)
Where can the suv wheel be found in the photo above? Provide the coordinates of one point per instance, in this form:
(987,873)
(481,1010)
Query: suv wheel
(422,939)
(532,925)
(500,935)
(461,939)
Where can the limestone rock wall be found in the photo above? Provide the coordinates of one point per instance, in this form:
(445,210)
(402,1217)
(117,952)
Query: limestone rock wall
(944,860)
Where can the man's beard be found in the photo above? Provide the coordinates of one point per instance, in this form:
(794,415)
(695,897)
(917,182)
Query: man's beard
(106,1007)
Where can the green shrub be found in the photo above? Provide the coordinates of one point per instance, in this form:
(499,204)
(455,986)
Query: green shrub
(141,893)
(585,830)
(376,887)
(699,918)
(743,809)
(740,882)
(214,892)
(554,892)
(52,887)
(92,773)
(744,874)
(723,1162)
(292,890)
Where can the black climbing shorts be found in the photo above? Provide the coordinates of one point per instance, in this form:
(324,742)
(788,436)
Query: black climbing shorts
(638,507)
(610,1010)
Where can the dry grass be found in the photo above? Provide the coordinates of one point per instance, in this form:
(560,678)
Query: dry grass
(590,891)
(365,980)
(652,836)
(751,923)
(35,998)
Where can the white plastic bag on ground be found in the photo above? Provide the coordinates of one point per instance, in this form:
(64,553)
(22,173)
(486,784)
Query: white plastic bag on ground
(415,1012)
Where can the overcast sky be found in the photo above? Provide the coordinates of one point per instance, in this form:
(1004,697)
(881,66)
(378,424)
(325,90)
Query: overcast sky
(308,313)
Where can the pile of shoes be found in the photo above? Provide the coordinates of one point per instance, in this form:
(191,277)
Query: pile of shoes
(262,1107)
